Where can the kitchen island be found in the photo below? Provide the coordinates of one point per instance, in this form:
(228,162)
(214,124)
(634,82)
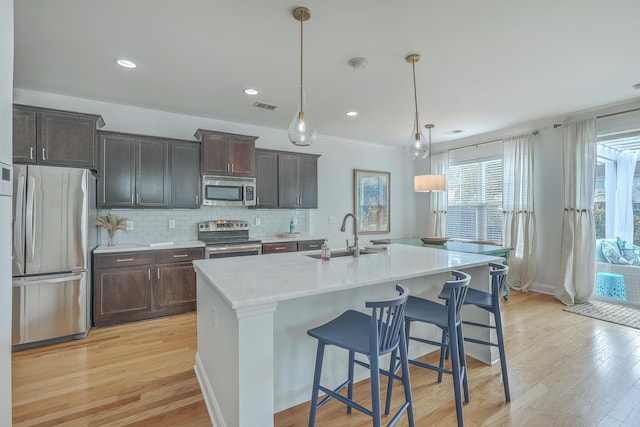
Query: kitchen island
(254,357)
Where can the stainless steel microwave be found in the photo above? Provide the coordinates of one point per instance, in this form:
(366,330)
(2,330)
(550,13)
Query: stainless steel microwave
(228,191)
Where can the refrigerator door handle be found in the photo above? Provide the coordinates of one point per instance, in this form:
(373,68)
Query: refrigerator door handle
(30,217)
(21,283)
(18,225)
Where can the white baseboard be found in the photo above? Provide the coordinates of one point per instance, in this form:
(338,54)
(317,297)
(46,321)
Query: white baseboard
(209,397)
(543,288)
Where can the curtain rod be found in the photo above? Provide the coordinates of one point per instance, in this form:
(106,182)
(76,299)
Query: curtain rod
(557,125)
(534,133)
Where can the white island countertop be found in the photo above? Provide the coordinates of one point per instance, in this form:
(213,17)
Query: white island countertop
(267,279)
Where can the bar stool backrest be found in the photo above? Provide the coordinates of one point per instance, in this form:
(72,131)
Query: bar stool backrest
(457,291)
(387,322)
(498,274)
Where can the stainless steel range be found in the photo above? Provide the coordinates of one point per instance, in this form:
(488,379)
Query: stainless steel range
(227,238)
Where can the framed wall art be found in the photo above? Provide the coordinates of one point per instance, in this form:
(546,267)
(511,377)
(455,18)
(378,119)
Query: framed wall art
(372,201)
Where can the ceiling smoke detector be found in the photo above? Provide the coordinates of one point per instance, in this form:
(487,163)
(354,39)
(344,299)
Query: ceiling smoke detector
(358,63)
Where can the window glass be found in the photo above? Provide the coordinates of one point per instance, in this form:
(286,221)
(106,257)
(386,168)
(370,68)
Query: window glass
(474,184)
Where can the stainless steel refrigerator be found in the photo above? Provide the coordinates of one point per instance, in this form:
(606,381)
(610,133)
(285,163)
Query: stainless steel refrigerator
(53,236)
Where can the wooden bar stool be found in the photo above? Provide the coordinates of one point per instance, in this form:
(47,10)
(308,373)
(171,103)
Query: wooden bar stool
(491,303)
(448,319)
(371,336)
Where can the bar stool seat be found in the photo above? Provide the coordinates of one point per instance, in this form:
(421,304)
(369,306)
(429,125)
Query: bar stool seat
(372,336)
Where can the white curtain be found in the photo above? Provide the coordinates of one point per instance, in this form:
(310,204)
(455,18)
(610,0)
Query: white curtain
(623,221)
(519,220)
(576,283)
(437,224)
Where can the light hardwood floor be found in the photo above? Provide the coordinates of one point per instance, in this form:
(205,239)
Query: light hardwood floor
(565,370)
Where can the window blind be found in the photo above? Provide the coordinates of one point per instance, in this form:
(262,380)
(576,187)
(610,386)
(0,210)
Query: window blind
(475,193)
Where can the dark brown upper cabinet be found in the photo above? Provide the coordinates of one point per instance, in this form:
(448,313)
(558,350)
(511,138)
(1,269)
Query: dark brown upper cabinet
(266,179)
(227,153)
(185,175)
(134,171)
(53,137)
(286,180)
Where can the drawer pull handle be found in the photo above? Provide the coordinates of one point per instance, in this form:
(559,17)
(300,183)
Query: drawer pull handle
(314,246)
(124,260)
(280,248)
(181,256)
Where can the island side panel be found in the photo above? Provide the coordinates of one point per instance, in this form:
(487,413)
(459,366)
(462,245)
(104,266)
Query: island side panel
(234,360)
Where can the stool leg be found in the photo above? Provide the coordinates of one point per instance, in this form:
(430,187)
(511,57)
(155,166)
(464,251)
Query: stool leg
(463,363)
(404,360)
(393,368)
(503,357)
(350,386)
(316,384)
(374,370)
(444,353)
(454,351)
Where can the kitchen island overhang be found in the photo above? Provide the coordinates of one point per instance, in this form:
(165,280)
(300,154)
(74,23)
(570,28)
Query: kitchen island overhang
(254,357)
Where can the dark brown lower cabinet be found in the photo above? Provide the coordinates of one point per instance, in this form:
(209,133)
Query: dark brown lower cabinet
(130,286)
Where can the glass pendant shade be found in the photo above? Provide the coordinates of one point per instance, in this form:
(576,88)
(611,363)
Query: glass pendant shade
(302,131)
(418,147)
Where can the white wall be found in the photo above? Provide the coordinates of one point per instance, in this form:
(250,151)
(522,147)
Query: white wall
(335,166)
(6,87)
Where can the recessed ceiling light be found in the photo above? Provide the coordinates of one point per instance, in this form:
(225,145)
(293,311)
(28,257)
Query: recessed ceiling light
(250,91)
(636,86)
(351,113)
(126,63)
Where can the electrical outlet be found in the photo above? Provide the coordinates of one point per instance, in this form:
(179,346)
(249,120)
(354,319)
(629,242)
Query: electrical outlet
(172,223)
(257,221)
(332,220)
(295,220)
(129,225)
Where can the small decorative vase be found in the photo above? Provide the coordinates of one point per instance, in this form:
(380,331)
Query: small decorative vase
(112,239)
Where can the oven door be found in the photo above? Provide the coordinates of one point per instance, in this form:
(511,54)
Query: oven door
(232,250)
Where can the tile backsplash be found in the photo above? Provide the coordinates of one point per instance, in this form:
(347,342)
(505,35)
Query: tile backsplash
(152,225)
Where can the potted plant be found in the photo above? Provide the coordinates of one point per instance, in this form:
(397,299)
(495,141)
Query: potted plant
(112,223)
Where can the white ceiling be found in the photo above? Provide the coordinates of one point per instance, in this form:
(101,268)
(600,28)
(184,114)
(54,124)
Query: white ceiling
(485,65)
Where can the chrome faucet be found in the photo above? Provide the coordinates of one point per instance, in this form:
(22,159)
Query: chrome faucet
(355,248)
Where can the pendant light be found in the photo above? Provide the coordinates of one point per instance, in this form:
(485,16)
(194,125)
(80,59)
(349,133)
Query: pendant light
(301,130)
(417,146)
(430,182)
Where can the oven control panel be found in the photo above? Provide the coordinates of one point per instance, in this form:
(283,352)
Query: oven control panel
(223,225)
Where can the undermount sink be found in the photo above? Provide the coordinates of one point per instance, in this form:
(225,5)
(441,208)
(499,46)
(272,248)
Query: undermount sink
(340,253)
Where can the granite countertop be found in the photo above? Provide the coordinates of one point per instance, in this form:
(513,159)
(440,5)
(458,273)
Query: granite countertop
(275,239)
(133,247)
(253,281)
